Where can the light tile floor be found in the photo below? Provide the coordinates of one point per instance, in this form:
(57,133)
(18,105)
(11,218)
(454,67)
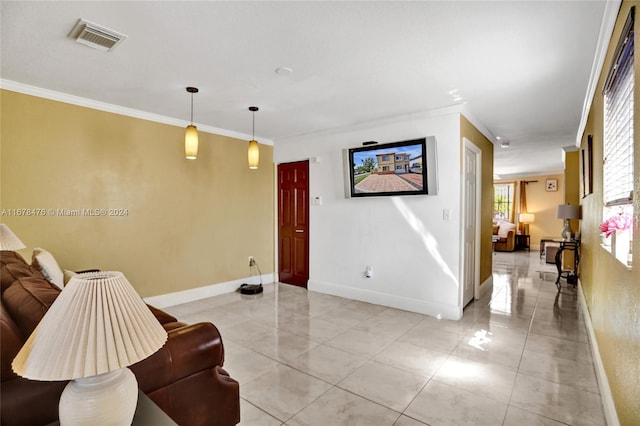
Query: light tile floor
(518,357)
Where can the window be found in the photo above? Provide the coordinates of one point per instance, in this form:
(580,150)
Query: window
(385,158)
(503,195)
(618,123)
(618,138)
(398,167)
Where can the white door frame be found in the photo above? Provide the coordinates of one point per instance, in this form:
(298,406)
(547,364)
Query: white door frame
(467,144)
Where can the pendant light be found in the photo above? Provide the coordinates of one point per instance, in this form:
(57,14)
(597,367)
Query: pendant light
(191,135)
(253,154)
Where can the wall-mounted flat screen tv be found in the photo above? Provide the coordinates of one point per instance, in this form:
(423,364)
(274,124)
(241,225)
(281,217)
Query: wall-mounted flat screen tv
(398,168)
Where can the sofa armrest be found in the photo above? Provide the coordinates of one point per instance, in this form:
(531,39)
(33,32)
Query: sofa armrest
(511,239)
(506,244)
(188,350)
(162,317)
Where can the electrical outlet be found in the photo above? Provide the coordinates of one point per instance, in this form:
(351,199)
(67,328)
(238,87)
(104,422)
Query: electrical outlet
(252,261)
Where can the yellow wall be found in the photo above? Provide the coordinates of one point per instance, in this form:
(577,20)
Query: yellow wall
(542,203)
(187,224)
(572,183)
(469,131)
(572,177)
(613,292)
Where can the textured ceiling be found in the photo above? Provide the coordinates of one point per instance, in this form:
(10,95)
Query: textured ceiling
(520,68)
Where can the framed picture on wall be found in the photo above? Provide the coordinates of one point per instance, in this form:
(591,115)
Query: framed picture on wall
(587,167)
(551,185)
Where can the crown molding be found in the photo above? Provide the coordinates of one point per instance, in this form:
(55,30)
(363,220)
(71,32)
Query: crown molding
(611,9)
(466,113)
(26,89)
(382,121)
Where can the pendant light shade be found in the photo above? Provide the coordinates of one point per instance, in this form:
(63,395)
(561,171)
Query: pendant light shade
(253,153)
(191,142)
(191,134)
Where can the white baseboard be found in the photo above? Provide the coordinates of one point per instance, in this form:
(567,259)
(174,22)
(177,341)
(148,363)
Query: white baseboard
(185,296)
(390,300)
(608,405)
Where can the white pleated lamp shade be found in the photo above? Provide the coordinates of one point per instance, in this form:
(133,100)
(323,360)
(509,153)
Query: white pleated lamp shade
(9,240)
(97,324)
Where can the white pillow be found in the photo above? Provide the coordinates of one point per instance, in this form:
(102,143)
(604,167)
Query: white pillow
(505,227)
(68,275)
(44,261)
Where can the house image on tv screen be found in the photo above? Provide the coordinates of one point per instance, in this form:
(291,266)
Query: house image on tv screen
(415,164)
(386,170)
(390,163)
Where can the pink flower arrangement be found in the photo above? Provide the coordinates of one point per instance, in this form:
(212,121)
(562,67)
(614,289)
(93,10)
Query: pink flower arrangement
(616,222)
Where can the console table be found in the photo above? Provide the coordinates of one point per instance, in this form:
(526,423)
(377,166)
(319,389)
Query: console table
(571,275)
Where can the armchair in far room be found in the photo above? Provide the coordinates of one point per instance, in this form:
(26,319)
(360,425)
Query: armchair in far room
(506,233)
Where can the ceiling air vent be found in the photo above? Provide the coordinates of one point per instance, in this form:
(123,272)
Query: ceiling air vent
(95,36)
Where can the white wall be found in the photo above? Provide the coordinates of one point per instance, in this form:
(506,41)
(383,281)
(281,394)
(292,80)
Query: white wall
(414,253)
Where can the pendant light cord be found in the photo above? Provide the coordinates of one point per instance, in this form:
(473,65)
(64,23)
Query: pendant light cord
(253,129)
(192,90)
(192,108)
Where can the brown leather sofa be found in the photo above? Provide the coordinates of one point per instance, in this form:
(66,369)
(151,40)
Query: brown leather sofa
(184,378)
(504,244)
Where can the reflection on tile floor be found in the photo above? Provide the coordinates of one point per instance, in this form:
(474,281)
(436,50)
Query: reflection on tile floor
(520,356)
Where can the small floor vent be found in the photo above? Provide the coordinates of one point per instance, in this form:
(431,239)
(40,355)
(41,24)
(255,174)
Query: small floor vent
(95,36)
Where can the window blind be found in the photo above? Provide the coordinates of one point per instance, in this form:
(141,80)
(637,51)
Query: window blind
(618,122)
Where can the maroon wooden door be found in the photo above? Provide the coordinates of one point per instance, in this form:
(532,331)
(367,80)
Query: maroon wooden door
(293,223)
